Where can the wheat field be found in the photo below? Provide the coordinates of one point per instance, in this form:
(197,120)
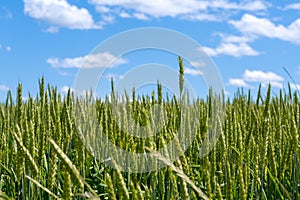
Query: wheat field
(43,156)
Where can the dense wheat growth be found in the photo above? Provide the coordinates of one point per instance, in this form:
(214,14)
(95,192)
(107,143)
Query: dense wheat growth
(43,156)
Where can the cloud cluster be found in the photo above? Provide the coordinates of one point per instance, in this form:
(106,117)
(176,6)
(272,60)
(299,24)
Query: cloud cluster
(63,14)
(253,25)
(173,8)
(261,77)
(89,61)
(251,28)
(60,14)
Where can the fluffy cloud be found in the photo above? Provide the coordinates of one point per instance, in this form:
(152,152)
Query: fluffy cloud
(295,86)
(198,63)
(238,82)
(231,49)
(256,6)
(273,84)
(248,6)
(258,76)
(88,61)
(155,8)
(174,8)
(294,6)
(250,24)
(193,72)
(237,39)
(4,88)
(262,77)
(60,14)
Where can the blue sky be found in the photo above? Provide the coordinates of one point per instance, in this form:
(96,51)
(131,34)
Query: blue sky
(249,41)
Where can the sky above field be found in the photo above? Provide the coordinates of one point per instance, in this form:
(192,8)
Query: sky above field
(251,42)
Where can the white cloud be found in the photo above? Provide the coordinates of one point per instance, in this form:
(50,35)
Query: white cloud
(273,84)
(64,90)
(59,13)
(155,8)
(102,9)
(8,48)
(202,17)
(52,29)
(237,39)
(294,6)
(175,8)
(249,6)
(88,61)
(108,19)
(125,15)
(198,63)
(262,77)
(256,6)
(250,24)
(210,51)
(4,88)
(231,49)
(193,72)
(238,82)
(140,16)
(295,86)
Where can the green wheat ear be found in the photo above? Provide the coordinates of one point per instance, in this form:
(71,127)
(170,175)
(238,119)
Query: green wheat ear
(181,74)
